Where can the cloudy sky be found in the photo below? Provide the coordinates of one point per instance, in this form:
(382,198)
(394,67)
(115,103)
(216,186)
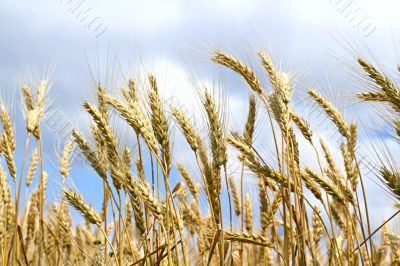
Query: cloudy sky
(80,42)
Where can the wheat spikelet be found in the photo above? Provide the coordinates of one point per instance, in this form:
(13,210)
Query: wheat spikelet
(235,196)
(217,139)
(394,244)
(302,125)
(136,119)
(372,96)
(132,90)
(102,103)
(249,213)
(352,140)
(348,164)
(186,127)
(126,157)
(249,238)
(65,159)
(7,126)
(66,225)
(251,120)
(269,68)
(138,211)
(9,155)
(294,151)
(145,194)
(45,179)
(41,95)
(248,155)
(311,185)
(392,94)
(89,154)
(100,143)
(128,217)
(32,122)
(331,111)
(194,205)
(32,168)
(130,94)
(279,80)
(264,208)
(392,180)
(189,218)
(219,154)
(102,124)
(32,214)
(203,155)
(112,144)
(252,161)
(317,226)
(10,213)
(327,185)
(336,211)
(248,75)
(213,186)
(140,170)
(3,184)
(342,185)
(212,182)
(188,180)
(35,115)
(117,169)
(159,123)
(328,156)
(279,110)
(27,96)
(78,203)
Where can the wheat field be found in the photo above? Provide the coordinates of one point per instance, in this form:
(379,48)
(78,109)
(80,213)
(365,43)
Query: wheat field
(299,215)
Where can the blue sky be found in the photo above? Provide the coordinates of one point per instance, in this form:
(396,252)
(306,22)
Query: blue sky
(76,42)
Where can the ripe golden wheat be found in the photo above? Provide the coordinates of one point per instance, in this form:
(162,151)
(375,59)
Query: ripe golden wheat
(298,215)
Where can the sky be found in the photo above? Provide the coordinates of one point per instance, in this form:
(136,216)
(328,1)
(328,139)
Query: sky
(78,43)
